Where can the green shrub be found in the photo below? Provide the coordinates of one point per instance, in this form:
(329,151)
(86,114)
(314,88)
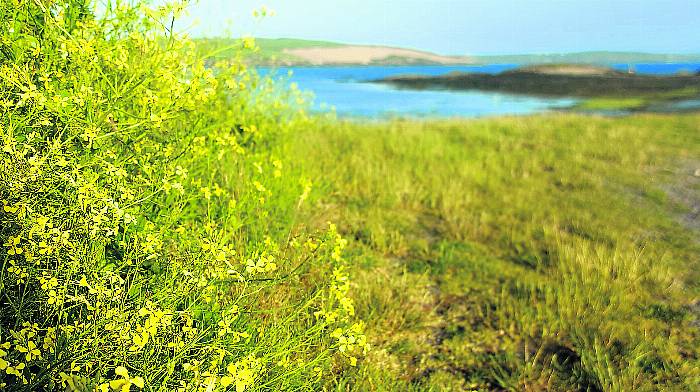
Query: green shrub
(147,220)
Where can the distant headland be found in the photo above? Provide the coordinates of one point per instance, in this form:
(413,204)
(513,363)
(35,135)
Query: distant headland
(299,52)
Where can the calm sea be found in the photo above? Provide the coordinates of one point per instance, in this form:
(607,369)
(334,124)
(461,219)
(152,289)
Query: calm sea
(344,90)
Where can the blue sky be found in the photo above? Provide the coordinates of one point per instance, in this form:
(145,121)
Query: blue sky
(466,26)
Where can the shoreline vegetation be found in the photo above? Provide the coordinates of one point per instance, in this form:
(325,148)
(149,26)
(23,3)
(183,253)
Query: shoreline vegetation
(171,220)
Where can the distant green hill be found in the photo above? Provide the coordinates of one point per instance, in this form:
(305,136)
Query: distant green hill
(271,51)
(293,43)
(290,51)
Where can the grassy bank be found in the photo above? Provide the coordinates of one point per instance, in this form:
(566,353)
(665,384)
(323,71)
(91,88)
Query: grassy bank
(543,252)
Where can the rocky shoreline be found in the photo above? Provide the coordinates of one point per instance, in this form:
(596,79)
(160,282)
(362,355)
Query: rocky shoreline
(554,81)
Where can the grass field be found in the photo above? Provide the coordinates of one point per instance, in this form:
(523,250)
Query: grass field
(552,252)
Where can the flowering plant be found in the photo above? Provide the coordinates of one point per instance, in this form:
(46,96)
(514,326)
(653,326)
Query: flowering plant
(147,231)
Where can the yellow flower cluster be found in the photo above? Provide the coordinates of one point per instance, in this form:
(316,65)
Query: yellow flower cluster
(350,340)
(122,383)
(241,374)
(261,264)
(25,348)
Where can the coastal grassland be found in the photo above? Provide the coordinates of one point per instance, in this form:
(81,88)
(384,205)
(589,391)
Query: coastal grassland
(164,225)
(548,252)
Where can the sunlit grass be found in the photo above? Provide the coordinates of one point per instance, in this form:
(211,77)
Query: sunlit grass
(527,253)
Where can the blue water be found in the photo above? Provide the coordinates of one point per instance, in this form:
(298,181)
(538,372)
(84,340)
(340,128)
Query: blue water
(660,69)
(345,91)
